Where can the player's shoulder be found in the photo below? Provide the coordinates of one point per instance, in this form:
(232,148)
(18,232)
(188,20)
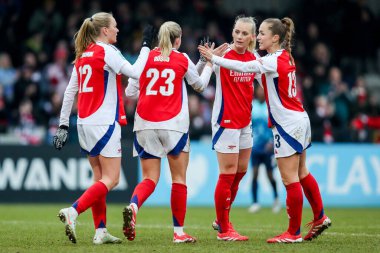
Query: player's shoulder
(180,56)
(107,47)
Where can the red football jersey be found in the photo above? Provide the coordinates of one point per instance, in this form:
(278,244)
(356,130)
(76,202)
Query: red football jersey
(161,94)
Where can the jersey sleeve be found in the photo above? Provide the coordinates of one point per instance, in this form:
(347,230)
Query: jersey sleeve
(68,98)
(119,64)
(137,68)
(133,87)
(199,83)
(114,59)
(250,66)
(200,66)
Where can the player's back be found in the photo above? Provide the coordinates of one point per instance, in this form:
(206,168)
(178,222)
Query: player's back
(280,88)
(98,99)
(161,86)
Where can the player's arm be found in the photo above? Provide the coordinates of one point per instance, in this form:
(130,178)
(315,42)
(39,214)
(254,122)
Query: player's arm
(132,90)
(198,82)
(62,132)
(68,99)
(120,65)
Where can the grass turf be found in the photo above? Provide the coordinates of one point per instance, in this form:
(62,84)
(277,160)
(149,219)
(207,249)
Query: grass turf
(35,228)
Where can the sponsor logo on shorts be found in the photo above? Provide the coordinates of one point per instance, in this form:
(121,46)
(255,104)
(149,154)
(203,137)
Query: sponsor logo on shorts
(119,150)
(231,147)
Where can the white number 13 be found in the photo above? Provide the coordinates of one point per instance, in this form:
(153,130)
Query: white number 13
(169,76)
(292,91)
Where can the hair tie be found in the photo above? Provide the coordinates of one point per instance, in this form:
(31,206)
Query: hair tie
(91,19)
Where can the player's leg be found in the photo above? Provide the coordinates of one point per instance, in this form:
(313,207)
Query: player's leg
(269,169)
(151,174)
(148,147)
(245,150)
(244,156)
(288,167)
(89,137)
(313,195)
(255,161)
(178,200)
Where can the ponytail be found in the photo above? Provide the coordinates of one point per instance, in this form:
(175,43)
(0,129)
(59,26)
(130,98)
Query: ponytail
(289,31)
(89,31)
(169,31)
(284,28)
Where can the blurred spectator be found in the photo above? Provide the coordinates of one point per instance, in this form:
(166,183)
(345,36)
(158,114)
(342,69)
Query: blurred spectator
(8,76)
(4,114)
(57,72)
(27,128)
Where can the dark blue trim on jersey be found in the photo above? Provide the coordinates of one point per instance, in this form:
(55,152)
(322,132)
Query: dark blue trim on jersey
(275,81)
(103,141)
(220,113)
(217,136)
(180,145)
(289,139)
(141,152)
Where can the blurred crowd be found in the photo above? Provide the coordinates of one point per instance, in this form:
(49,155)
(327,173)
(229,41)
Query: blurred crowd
(337,53)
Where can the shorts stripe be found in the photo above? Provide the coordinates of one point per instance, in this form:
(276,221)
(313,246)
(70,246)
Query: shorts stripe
(180,145)
(289,139)
(217,136)
(140,150)
(103,141)
(220,113)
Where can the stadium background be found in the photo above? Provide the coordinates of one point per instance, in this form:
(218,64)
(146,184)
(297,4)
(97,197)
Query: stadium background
(337,52)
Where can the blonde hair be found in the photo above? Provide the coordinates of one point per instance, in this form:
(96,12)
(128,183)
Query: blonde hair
(284,28)
(252,21)
(167,34)
(89,31)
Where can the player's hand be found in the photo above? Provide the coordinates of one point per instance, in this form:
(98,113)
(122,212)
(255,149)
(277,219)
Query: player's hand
(220,51)
(206,43)
(206,52)
(60,137)
(148,36)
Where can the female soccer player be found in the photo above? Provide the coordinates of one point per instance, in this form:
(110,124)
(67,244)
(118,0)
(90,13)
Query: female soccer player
(231,125)
(162,124)
(96,77)
(289,122)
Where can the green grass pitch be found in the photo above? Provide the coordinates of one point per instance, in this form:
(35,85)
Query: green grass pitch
(35,228)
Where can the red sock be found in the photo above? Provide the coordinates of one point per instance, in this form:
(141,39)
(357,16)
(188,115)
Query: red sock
(97,191)
(178,204)
(235,185)
(294,201)
(99,213)
(311,190)
(142,191)
(223,200)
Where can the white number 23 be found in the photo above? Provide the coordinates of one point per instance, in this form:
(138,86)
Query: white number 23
(165,90)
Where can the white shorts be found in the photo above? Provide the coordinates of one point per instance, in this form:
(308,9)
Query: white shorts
(292,139)
(226,140)
(158,143)
(100,140)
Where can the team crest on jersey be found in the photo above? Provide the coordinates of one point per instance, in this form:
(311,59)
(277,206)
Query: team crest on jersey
(298,133)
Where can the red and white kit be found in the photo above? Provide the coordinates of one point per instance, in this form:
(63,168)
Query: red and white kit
(231,114)
(97,80)
(162,102)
